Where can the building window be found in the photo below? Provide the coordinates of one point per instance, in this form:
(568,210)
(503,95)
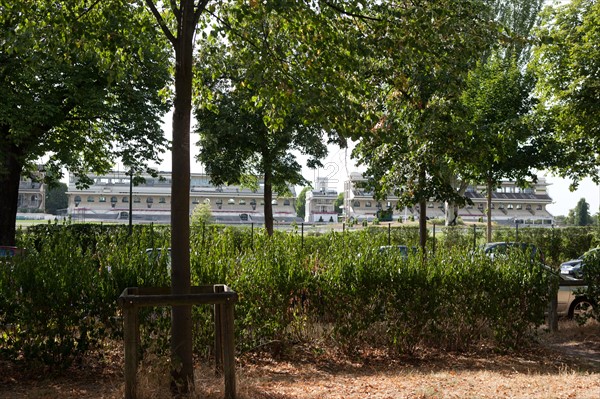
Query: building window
(356,204)
(242,202)
(231,201)
(90,199)
(539,207)
(528,207)
(501,206)
(519,206)
(286,202)
(125,199)
(195,201)
(162,200)
(77,200)
(509,206)
(274,202)
(368,204)
(430,205)
(102,199)
(137,200)
(149,200)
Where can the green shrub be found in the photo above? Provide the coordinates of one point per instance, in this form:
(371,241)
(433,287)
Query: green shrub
(335,286)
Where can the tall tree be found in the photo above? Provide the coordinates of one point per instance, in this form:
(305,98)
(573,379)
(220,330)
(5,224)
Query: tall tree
(421,53)
(581,213)
(178,21)
(80,85)
(235,142)
(501,140)
(503,63)
(567,61)
(56,198)
(269,87)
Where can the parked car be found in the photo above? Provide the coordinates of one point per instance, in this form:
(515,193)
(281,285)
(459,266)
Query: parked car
(402,250)
(504,248)
(9,251)
(574,267)
(572,301)
(156,255)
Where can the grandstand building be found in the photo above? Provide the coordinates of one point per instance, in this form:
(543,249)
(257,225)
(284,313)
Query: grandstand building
(320,203)
(510,204)
(110,195)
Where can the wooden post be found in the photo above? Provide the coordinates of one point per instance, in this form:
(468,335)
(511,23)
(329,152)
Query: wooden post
(553,305)
(131,335)
(229,349)
(218,309)
(220,295)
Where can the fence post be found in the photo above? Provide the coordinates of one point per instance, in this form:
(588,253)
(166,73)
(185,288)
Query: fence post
(433,242)
(389,234)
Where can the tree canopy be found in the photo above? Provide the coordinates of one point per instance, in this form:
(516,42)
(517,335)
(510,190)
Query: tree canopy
(500,134)
(567,60)
(420,56)
(80,86)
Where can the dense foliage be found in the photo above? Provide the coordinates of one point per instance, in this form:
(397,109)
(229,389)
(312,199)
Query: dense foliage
(59,299)
(81,85)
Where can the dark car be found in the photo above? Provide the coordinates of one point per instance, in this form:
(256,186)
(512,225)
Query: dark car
(574,267)
(402,250)
(504,248)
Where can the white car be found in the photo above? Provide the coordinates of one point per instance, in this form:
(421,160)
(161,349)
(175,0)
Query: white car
(572,301)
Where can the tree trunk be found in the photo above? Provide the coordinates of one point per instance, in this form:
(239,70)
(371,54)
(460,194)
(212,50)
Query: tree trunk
(489,211)
(268,197)
(451,213)
(181,316)
(10,178)
(422,212)
(423,223)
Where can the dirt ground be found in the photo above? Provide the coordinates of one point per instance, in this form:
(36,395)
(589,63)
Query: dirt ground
(561,365)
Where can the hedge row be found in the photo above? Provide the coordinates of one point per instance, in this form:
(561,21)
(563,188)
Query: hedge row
(59,300)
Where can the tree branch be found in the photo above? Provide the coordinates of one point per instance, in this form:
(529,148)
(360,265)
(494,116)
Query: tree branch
(199,9)
(90,8)
(176,10)
(161,21)
(351,14)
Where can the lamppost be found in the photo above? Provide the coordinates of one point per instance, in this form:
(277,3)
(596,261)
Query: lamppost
(130,201)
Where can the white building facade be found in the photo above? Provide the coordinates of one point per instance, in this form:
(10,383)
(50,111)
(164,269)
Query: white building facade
(110,197)
(510,204)
(320,203)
